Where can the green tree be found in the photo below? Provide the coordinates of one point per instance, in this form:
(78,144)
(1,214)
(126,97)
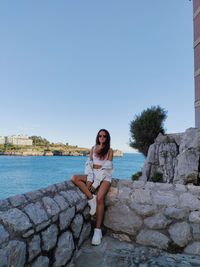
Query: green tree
(146,127)
(39,141)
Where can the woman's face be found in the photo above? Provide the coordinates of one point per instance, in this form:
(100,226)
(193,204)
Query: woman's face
(102,137)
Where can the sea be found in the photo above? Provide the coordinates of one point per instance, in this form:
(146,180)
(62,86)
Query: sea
(19,175)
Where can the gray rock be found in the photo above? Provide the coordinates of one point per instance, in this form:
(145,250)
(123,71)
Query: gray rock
(4,205)
(193,248)
(187,200)
(16,220)
(76,225)
(36,213)
(71,196)
(50,190)
(66,217)
(152,238)
(34,247)
(187,167)
(176,213)
(142,196)
(64,249)
(143,209)
(85,233)
(61,186)
(81,205)
(4,235)
(42,261)
(86,213)
(195,231)
(34,195)
(194,217)
(158,221)
(13,254)
(165,198)
(180,233)
(28,233)
(51,206)
(121,218)
(17,200)
(49,237)
(61,202)
(42,225)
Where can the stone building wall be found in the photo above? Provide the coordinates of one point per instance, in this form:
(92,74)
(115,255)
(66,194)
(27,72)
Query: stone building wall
(43,228)
(161,215)
(196,22)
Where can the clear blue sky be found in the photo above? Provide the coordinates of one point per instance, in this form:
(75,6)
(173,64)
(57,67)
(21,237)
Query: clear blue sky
(69,68)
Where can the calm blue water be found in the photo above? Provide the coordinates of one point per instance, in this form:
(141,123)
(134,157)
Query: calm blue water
(23,174)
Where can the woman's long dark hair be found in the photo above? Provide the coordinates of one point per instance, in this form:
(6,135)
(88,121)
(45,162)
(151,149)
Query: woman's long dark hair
(102,153)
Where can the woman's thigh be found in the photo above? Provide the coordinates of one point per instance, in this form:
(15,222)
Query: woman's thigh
(79,177)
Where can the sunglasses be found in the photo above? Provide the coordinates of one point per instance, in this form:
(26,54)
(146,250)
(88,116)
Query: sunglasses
(102,136)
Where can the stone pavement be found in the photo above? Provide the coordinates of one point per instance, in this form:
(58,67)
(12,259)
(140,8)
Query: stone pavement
(115,253)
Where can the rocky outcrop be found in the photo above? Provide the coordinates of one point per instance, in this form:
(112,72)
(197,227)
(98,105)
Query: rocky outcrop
(165,216)
(117,153)
(44,227)
(174,158)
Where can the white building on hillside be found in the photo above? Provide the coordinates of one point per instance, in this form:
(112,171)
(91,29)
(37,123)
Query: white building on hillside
(2,140)
(18,140)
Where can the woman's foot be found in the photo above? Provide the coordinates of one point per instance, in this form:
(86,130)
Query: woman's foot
(96,239)
(93,205)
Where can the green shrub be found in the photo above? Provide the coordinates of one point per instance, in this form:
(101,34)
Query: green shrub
(146,127)
(157,178)
(136,176)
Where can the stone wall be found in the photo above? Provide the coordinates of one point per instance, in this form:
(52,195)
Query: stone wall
(43,228)
(162,215)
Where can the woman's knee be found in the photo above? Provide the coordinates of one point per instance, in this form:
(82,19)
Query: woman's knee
(74,179)
(100,200)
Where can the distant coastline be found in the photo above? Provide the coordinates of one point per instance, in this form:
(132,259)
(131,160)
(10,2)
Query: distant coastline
(37,146)
(51,152)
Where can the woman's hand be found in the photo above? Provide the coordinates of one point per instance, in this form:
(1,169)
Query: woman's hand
(92,189)
(89,185)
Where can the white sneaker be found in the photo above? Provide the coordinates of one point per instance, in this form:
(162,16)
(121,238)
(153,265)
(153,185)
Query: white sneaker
(96,240)
(93,205)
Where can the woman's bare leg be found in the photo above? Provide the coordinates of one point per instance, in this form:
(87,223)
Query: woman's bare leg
(80,181)
(104,187)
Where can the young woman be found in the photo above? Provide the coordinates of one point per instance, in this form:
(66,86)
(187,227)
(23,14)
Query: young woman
(98,175)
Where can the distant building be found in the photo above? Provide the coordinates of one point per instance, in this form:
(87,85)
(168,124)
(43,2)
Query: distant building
(196,23)
(18,140)
(2,140)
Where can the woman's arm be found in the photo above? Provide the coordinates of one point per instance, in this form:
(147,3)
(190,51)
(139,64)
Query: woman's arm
(110,154)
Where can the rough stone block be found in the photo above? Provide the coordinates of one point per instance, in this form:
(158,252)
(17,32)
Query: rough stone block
(60,200)
(36,213)
(34,248)
(152,238)
(50,206)
(121,218)
(76,225)
(13,254)
(193,248)
(16,220)
(180,233)
(158,221)
(42,261)
(194,217)
(4,235)
(17,200)
(49,237)
(66,217)
(64,249)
